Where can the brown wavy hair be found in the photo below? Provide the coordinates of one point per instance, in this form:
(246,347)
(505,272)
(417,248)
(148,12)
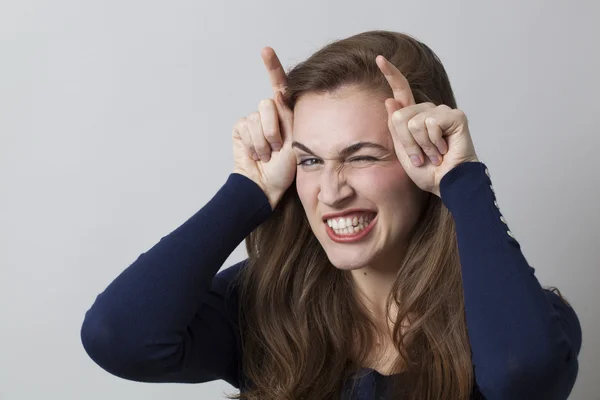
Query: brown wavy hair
(300,316)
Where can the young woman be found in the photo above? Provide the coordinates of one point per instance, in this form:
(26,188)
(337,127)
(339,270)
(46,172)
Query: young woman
(380,265)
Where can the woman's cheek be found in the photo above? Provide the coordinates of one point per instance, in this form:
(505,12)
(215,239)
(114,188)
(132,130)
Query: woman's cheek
(304,186)
(385,177)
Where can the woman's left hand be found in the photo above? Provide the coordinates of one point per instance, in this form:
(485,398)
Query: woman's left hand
(425,130)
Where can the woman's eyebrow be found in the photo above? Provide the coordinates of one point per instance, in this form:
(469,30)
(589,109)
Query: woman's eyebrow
(353,148)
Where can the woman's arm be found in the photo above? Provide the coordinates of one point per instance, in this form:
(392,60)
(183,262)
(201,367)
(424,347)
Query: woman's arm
(525,340)
(166,318)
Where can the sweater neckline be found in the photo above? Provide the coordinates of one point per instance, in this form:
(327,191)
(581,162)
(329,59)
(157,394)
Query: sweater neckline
(379,374)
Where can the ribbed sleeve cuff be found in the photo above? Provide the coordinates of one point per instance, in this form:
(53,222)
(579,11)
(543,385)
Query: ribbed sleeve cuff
(468,193)
(462,183)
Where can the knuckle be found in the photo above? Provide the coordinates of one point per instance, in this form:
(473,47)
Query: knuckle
(430,104)
(254,116)
(460,113)
(245,139)
(444,107)
(239,130)
(264,104)
(398,116)
(415,123)
(240,123)
(413,150)
(270,135)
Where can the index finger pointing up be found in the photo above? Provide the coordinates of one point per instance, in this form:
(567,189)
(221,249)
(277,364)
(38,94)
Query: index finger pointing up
(274,68)
(398,82)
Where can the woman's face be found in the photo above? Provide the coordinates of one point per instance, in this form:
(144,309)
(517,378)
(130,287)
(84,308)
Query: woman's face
(364,183)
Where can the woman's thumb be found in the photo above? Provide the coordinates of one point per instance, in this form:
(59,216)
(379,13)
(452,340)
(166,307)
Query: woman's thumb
(391,105)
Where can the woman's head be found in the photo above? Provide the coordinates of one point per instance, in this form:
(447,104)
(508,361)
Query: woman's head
(348,169)
(304,328)
(338,99)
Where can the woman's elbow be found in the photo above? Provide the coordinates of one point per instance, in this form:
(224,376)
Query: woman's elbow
(550,379)
(113,350)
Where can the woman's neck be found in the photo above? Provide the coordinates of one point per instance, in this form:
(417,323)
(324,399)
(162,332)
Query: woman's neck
(374,283)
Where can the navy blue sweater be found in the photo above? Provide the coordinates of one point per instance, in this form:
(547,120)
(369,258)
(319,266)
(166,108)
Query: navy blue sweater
(168,318)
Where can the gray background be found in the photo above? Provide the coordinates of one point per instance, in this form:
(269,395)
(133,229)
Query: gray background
(115,127)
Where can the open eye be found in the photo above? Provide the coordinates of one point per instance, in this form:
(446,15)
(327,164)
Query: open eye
(307,162)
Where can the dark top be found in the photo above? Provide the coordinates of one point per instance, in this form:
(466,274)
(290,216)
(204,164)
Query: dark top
(168,318)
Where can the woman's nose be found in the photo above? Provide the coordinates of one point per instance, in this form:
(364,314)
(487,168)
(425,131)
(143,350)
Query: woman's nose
(334,189)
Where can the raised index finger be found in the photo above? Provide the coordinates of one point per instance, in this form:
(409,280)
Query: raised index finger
(274,68)
(398,82)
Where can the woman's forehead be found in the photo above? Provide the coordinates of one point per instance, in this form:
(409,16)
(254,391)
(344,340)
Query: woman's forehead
(334,122)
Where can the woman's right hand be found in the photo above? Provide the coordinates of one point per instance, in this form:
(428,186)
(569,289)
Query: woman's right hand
(262,141)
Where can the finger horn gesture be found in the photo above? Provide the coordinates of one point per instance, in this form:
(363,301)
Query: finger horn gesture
(429,140)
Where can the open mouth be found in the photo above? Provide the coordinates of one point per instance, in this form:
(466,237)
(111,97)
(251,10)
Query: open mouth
(350,228)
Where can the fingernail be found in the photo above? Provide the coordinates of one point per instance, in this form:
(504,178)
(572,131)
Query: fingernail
(434,160)
(265,157)
(416,160)
(276,146)
(255,156)
(442,146)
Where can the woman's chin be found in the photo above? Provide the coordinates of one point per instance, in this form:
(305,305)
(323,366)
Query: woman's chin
(348,262)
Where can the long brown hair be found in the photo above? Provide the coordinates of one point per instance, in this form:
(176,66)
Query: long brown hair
(299,315)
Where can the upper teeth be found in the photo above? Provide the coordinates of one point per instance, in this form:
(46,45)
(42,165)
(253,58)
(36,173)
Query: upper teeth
(341,223)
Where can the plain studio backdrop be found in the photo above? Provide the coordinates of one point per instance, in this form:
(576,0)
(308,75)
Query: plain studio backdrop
(115,127)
